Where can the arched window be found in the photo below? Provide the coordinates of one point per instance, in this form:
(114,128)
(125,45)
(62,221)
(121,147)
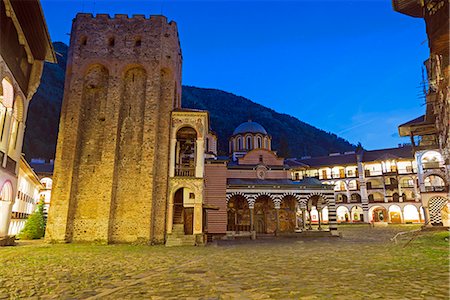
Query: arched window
(207,145)
(249,142)
(239,143)
(259,142)
(395,197)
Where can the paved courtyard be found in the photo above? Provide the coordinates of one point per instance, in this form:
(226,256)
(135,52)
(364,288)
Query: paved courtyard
(364,264)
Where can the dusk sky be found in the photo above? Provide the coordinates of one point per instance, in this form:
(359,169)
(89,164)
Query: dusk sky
(351,68)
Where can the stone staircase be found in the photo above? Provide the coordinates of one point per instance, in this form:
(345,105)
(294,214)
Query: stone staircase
(178,238)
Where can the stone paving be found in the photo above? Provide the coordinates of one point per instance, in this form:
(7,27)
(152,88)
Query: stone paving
(364,264)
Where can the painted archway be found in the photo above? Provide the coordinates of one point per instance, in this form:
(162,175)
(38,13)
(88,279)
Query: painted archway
(343,215)
(395,214)
(238,214)
(264,214)
(378,214)
(357,214)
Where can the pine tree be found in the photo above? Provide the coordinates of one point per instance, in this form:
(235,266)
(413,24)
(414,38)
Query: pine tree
(35,225)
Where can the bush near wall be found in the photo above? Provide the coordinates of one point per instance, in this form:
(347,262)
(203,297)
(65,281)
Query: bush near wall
(35,225)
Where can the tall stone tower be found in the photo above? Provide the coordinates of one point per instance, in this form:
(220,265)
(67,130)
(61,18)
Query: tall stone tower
(111,170)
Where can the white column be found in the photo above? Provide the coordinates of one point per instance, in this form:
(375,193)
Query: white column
(200,158)
(6,134)
(416,190)
(5,217)
(173,146)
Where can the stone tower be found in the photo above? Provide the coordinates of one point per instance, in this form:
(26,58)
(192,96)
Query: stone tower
(123,81)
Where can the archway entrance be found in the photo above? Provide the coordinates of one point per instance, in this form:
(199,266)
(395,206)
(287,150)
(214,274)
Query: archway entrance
(287,214)
(183,217)
(379,214)
(185,152)
(395,214)
(238,214)
(265,219)
(357,213)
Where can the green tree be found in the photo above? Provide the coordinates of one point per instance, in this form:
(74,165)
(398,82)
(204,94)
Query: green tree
(35,225)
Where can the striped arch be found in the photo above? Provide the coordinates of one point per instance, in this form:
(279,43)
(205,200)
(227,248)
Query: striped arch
(271,196)
(231,195)
(297,197)
(324,197)
(435,206)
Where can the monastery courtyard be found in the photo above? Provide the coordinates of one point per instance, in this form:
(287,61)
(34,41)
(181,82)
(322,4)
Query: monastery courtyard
(363,264)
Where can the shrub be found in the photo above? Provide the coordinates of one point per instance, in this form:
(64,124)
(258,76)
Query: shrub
(35,225)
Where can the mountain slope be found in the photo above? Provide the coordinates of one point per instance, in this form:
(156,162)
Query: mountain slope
(291,137)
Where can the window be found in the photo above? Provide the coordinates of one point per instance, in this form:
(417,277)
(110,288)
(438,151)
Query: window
(191,196)
(138,42)
(249,143)
(297,176)
(83,41)
(111,42)
(239,144)
(259,142)
(207,145)
(260,158)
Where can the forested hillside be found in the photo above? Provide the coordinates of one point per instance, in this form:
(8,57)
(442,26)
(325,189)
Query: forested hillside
(291,137)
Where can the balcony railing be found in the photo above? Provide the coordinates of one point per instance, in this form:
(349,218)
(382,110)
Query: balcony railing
(184,171)
(372,173)
(430,165)
(436,189)
(391,186)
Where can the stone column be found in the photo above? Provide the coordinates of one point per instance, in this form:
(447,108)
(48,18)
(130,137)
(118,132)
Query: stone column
(416,190)
(277,216)
(200,158)
(5,216)
(303,218)
(319,213)
(172,158)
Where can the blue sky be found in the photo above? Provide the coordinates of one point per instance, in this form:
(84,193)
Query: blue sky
(349,67)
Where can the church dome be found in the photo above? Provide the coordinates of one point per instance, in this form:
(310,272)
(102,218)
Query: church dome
(249,127)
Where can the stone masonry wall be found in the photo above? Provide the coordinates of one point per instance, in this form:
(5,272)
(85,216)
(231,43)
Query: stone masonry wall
(111,170)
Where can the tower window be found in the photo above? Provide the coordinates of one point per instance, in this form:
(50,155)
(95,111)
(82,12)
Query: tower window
(138,42)
(111,42)
(83,41)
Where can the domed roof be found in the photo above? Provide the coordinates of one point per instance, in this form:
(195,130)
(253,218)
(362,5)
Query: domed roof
(249,127)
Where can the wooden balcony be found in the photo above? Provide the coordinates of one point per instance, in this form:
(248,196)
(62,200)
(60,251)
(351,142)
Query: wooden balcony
(436,189)
(184,171)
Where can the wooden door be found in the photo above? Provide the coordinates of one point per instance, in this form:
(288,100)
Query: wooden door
(189,220)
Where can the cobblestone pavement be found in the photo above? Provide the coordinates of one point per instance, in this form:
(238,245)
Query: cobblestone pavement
(364,264)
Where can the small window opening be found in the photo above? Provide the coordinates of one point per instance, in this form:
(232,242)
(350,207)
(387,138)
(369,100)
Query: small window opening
(261,158)
(138,42)
(83,41)
(191,196)
(111,42)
